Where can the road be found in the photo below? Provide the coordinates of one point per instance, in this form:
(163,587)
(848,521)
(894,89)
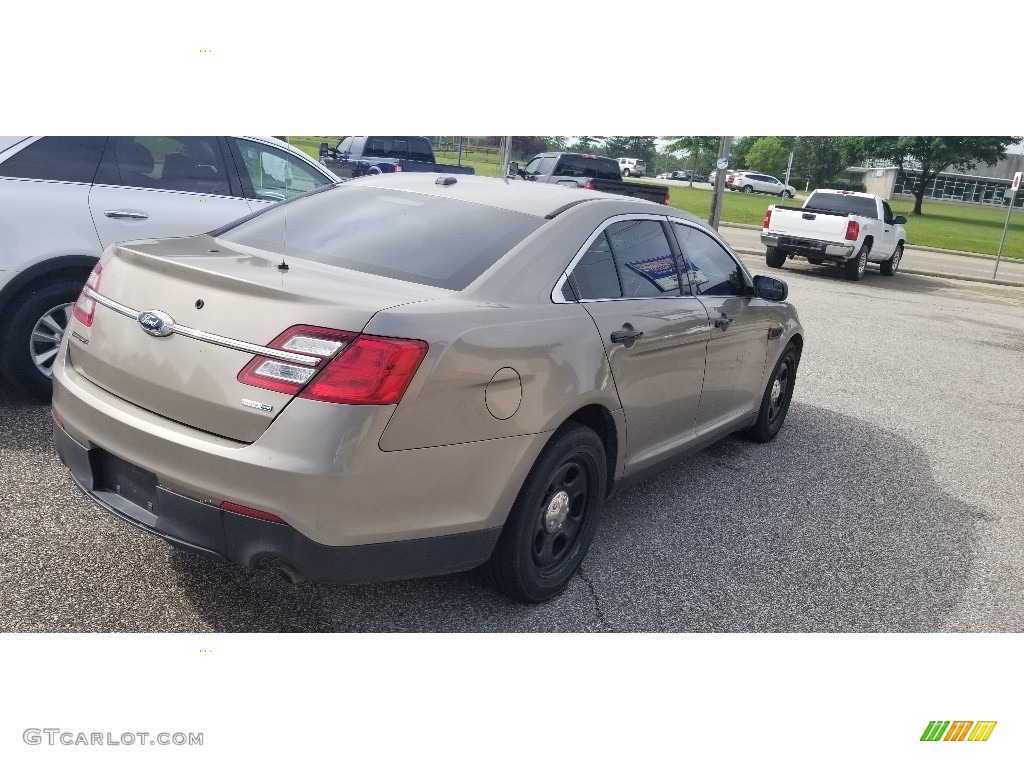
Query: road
(889,502)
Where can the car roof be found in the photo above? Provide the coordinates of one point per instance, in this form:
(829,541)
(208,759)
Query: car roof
(527,197)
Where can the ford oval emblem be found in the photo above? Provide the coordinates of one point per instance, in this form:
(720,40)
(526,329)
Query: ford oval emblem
(156,323)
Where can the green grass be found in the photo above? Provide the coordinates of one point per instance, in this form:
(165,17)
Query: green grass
(956,227)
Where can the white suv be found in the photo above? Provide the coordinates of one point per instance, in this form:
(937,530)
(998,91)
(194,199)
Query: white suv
(629,166)
(751,181)
(64,199)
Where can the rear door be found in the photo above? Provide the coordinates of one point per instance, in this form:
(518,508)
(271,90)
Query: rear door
(164,186)
(654,336)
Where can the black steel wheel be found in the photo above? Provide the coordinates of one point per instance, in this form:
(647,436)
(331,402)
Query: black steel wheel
(777,397)
(554,518)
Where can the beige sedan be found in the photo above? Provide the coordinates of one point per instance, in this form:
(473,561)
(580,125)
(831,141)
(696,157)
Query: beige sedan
(413,374)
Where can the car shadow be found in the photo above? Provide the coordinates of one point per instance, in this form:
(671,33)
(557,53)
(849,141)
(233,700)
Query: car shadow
(901,281)
(837,525)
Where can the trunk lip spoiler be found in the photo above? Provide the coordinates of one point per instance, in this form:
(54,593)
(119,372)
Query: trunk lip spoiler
(209,338)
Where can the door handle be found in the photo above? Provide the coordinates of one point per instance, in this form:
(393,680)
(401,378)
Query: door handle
(723,322)
(125,215)
(629,338)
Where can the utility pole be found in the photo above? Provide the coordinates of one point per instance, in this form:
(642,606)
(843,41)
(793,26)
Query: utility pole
(506,155)
(724,145)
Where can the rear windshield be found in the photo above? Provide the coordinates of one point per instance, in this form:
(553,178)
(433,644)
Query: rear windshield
(584,166)
(417,238)
(844,204)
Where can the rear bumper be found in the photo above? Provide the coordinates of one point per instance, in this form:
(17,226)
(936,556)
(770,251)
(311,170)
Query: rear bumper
(805,247)
(208,530)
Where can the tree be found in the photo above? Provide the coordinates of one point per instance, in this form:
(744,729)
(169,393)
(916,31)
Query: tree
(768,155)
(934,154)
(738,153)
(588,144)
(642,147)
(700,151)
(818,158)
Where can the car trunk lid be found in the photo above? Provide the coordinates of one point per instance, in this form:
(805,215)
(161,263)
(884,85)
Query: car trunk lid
(226,305)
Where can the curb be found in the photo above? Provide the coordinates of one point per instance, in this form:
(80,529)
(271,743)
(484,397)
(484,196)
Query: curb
(922,272)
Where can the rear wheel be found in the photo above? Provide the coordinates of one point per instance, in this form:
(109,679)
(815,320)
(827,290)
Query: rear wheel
(773,257)
(748,189)
(855,267)
(888,268)
(31,339)
(625,171)
(777,397)
(554,518)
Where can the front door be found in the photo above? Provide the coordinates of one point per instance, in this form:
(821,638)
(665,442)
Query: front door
(738,327)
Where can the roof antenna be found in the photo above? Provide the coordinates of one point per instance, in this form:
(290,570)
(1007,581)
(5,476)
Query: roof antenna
(283,266)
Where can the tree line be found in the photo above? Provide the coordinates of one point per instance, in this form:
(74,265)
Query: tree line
(817,160)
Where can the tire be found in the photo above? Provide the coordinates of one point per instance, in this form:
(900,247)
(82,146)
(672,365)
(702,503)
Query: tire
(625,172)
(855,267)
(889,267)
(815,262)
(31,338)
(785,194)
(776,399)
(553,519)
(773,257)
(748,189)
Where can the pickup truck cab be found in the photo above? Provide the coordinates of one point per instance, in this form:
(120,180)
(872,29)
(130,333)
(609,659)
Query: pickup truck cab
(844,228)
(356,156)
(595,172)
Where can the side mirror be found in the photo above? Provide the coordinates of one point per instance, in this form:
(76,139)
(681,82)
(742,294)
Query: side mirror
(513,169)
(770,288)
(900,220)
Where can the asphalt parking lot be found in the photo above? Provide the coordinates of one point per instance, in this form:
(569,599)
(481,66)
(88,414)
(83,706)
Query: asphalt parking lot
(891,501)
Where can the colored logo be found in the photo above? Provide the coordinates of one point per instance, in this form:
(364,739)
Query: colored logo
(958,730)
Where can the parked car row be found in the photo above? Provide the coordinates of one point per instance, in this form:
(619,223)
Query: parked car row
(685,175)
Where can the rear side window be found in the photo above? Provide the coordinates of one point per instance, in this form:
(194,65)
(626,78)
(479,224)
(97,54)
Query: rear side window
(843,204)
(595,276)
(417,238)
(642,254)
(182,163)
(419,150)
(57,158)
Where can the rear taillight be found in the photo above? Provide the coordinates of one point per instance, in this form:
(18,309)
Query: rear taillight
(290,377)
(85,308)
(852,230)
(372,371)
(666,198)
(729,179)
(589,185)
(259,514)
(398,169)
(353,369)
(767,219)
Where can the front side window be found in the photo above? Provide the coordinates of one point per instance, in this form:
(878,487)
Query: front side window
(540,166)
(709,267)
(275,174)
(889,218)
(57,158)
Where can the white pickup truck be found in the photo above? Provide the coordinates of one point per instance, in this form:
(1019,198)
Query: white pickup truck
(846,228)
